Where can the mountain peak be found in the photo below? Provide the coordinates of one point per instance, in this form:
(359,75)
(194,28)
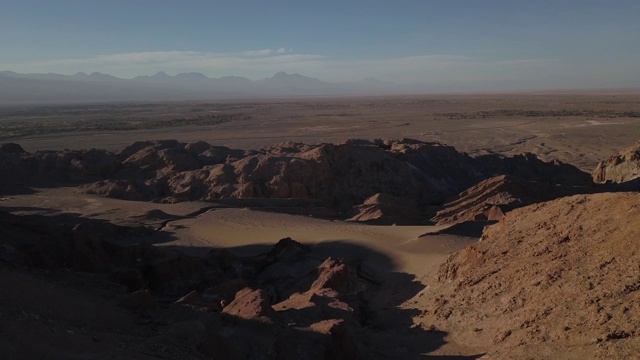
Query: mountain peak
(282,78)
(9,73)
(160,75)
(284,75)
(161,86)
(100,76)
(191,76)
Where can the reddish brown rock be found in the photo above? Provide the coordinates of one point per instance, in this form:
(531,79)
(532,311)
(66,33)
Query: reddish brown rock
(95,162)
(339,176)
(119,189)
(331,295)
(385,209)
(490,199)
(623,167)
(550,276)
(322,321)
(332,274)
(250,304)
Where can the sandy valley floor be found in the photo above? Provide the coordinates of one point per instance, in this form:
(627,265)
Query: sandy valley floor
(196,227)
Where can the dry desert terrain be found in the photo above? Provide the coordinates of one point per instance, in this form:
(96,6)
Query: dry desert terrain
(397,246)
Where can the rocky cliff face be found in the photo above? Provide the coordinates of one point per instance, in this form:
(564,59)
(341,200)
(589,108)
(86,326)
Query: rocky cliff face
(547,278)
(339,176)
(491,199)
(623,167)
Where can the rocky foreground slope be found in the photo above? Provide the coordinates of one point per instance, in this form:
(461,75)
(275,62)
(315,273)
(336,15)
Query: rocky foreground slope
(553,280)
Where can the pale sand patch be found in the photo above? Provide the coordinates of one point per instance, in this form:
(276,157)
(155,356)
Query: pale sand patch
(250,232)
(245,232)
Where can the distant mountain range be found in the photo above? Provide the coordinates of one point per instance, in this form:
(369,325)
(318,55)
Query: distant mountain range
(50,88)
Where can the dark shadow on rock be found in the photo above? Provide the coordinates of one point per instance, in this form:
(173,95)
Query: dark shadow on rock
(454,357)
(384,329)
(324,179)
(33,210)
(15,189)
(345,298)
(533,193)
(471,229)
(631,185)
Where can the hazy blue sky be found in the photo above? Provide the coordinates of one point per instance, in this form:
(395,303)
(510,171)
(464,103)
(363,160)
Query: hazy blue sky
(473,43)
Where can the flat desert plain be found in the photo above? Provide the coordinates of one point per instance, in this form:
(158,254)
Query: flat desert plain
(580,129)
(45,312)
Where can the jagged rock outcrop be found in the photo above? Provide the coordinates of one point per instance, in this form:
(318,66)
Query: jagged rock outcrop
(339,176)
(251,304)
(546,279)
(491,199)
(284,302)
(385,209)
(528,167)
(623,167)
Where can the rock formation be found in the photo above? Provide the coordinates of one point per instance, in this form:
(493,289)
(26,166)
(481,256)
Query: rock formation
(338,176)
(491,199)
(385,209)
(623,167)
(282,303)
(546,279)
(557,279)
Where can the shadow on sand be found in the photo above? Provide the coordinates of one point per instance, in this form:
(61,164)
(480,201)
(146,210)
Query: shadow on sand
(386,330)
(381,330)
